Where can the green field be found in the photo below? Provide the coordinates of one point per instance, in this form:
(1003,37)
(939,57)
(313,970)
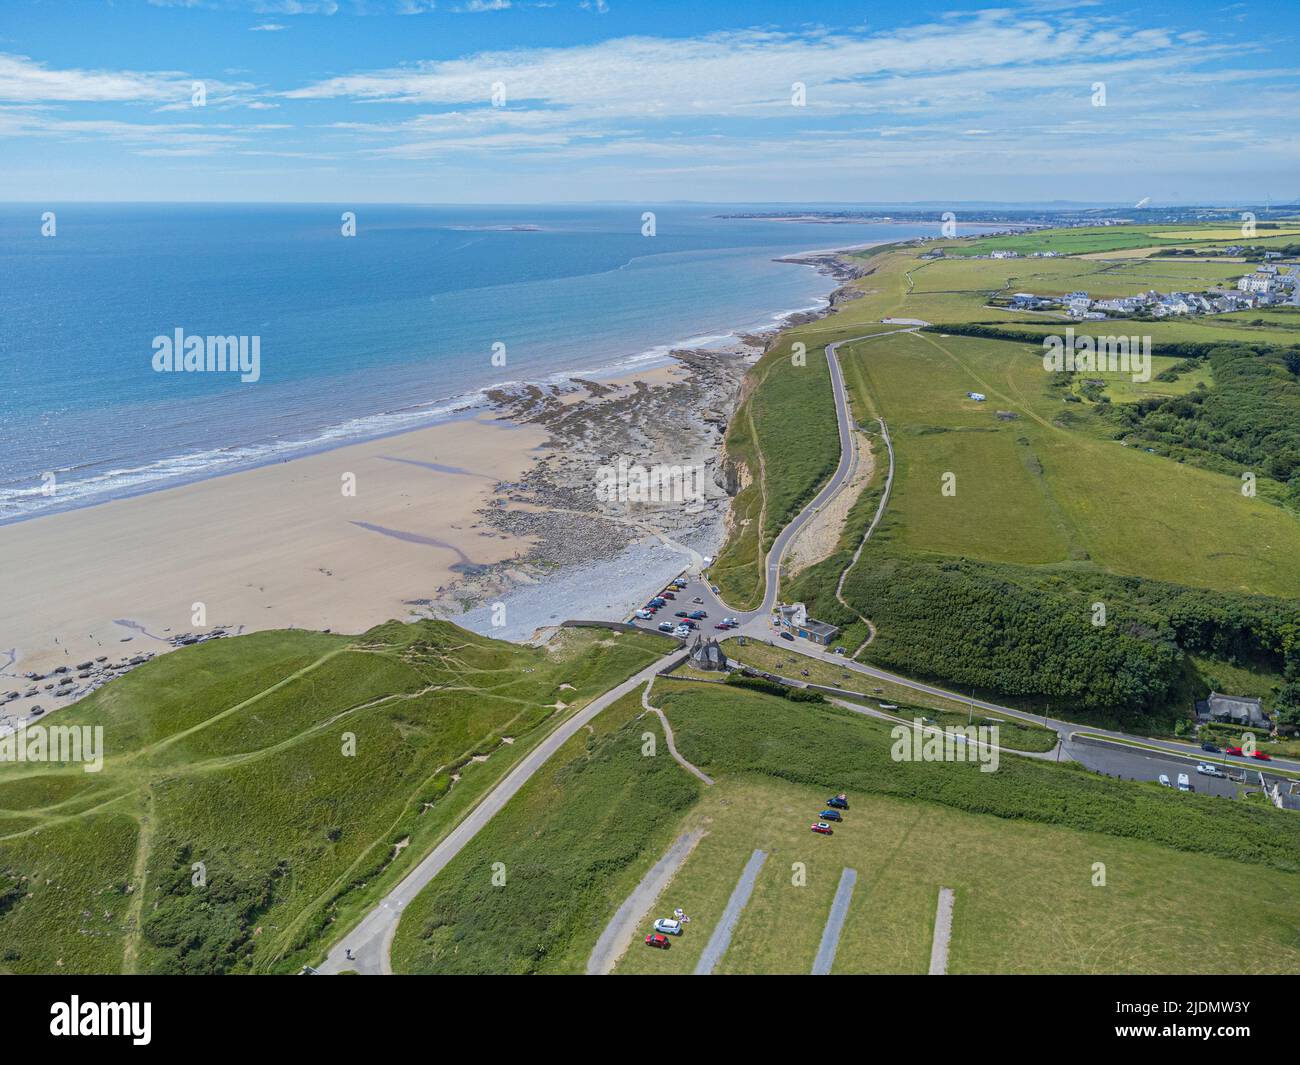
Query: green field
(1024,900)
(295,774)
(1018,846)
(1046,477)
(1015,735)
(1087,239)
(571,845)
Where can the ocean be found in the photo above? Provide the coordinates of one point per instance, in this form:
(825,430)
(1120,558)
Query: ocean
(357,336)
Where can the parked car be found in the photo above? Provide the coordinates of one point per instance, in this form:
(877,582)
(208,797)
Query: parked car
(823,829)
(722,625)
(714,587)
(666,626)
(644,614)
(681,614)
(656,940)
(1262,756)
(787,636)
(1210,747)
(668,926)
(839,802)
(687,623)
(698,615)
(1183,783)
(1235,751)
(658,601)
(697,599)
(681,632)
(839,650)
(668,595)
(1165,781)
(830,815)
(1205,769)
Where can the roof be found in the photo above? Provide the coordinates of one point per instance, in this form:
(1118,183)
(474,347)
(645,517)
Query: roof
(1237,707)
(821,628)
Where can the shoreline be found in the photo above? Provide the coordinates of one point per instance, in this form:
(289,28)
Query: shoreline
(380,425)
(492,507)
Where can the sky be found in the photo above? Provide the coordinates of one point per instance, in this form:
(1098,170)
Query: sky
(508,101)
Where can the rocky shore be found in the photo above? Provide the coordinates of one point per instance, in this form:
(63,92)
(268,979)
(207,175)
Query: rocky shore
(593,557)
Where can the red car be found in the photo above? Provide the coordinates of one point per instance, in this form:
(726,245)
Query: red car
(1262,756)
(823,829)
(1234,750)
(667,595)
(654,939)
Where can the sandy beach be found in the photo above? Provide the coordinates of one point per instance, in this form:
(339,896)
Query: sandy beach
(446,521)
(273,547)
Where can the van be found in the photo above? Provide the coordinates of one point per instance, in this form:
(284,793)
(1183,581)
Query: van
(1183,783)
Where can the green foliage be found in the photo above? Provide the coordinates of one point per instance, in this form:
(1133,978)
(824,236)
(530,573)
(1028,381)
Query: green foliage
(1027,631)
(600,808)
(771,687)
(205,930)
(233,753)
(726,730)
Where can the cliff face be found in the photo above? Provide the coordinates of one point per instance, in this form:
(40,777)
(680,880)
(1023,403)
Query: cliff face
(733,475)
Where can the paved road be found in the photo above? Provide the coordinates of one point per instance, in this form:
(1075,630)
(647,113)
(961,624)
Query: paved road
(844,416)
(371,940)
(834,924)
(721,938)
(621,931)
(757,624)
(942,933)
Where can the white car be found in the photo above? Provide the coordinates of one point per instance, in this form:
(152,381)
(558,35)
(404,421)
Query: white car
(1183,783)
(1209,770)
(644,614)
(681,632)
(1165,781)
(668,926)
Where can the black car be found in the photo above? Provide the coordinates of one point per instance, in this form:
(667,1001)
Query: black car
(839,802)
(1209,747)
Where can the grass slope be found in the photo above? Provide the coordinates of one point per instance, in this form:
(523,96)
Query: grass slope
(304,771)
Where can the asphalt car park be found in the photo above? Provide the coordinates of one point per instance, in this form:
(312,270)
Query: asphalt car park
(1127,764)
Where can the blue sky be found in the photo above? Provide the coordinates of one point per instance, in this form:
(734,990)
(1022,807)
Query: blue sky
(392,100)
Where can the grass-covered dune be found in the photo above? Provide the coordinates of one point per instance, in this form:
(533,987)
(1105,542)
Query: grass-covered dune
(258,793)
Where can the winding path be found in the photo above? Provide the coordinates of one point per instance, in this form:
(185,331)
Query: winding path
(668,735)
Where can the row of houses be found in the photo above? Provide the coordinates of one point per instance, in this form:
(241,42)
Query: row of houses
(1248,295)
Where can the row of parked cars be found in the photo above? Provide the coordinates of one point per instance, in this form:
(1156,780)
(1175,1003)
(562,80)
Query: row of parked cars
(832,813)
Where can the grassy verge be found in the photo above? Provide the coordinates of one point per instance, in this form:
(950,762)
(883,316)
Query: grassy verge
(564,853)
